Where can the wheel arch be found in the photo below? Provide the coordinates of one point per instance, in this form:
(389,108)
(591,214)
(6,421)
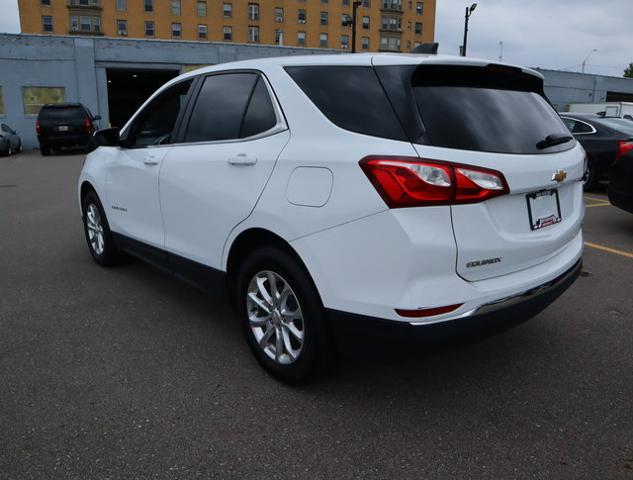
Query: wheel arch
(85,188)
(251,239)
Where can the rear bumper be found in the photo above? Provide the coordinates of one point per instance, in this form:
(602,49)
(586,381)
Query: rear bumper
(64,141)
(495,316)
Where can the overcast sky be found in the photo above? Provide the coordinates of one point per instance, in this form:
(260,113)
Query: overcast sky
(538,33)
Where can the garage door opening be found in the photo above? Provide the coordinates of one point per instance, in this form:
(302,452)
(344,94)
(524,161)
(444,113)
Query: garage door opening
(129,88)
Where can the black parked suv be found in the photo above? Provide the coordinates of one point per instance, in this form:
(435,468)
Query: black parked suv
(64,125)
(602,138)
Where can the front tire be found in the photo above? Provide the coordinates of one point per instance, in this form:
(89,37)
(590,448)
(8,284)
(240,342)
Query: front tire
(590,177)
(98,235)
(281,314)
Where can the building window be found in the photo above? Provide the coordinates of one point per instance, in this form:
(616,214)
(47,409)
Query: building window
(323,40)
(323,1)
(279,14)
(345,42)
(253,34)
(228,10)
(364,43)
(301,38)
(202,8)
(419,8)
(175,7)
(390,43)
(47,23)
(367,3)
(176,30)
(85,3)
(391,23)
(323,18)
(149,29)
(302,17)
(392,4)
(279,36)
(418,28)
(346,3)
(45,2)
(346,20)
(228,33)
(121,28)
(202,31)
(121,5)
(33,98)
(365,22)
(253,11)
(149,5)
(84,23)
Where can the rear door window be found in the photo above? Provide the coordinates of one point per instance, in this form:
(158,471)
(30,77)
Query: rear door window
(351,97)
(483,109)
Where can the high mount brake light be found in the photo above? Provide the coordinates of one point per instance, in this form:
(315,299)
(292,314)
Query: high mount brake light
(413,182)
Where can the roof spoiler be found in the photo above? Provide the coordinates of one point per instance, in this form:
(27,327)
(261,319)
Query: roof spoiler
(428,48)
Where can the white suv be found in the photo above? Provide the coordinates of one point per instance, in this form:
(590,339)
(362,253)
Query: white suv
(329,191)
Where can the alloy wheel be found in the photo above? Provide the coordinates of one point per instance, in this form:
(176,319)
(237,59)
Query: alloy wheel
(275,317)
(94,225)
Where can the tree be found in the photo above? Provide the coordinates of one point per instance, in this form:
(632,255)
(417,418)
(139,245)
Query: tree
(628,72)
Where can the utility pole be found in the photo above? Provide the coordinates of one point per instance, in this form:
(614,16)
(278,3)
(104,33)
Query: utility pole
(469,12)
(355,6)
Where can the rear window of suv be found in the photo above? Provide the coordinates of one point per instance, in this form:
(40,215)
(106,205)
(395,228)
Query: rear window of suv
(62,114)
(489,109)
(351,97)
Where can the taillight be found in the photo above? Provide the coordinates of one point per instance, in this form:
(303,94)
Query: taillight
(623,149)
(38,127)
(88,126)
(412,182)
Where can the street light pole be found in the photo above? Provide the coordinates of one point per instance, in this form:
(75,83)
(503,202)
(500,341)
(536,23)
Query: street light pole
(355,6)
(584,62)
(469,12)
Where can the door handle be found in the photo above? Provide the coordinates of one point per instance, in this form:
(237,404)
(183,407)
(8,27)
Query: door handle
(150,160)
(242,159)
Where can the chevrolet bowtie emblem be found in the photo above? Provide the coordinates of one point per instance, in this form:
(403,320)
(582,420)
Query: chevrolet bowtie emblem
(559,176)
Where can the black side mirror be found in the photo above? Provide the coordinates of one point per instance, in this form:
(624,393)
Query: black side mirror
(107,137)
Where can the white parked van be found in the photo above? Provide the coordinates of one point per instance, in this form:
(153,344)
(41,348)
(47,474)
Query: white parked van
(612,109)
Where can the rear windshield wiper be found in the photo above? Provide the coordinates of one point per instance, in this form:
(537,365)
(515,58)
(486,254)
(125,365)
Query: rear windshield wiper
(552,140)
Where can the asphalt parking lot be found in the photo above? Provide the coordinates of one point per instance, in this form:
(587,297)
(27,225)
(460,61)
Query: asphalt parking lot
(127,373)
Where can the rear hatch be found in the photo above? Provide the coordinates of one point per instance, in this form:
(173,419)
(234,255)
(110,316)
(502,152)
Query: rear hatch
(62,121)
(496,117)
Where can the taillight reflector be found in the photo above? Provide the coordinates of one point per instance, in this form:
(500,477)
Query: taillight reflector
(413,182)
(428,312)
(38,127)
(623,149)
(88,126)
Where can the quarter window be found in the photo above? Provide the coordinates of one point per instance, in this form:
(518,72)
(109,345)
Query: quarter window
(155,124)
(351,98)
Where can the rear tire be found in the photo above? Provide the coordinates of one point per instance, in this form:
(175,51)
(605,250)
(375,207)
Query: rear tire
(98,235)
(281,315)
(45,150)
